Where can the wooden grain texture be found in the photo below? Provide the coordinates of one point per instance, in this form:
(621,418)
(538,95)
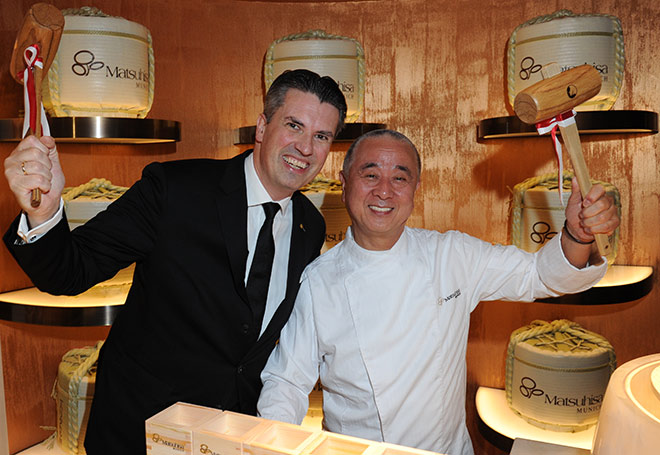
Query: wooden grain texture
(556,95)
(433,70)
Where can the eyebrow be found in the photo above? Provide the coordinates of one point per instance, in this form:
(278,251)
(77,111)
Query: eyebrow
(368,166)
(400,167)
(404,169)
(296,121)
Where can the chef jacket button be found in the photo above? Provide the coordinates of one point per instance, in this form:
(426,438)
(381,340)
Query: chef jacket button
(240,369)
(246,328)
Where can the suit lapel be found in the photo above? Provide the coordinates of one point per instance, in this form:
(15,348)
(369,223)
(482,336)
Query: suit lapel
(299,252)
(232,207)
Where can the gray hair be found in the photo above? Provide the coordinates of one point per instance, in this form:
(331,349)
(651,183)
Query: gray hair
(350,154)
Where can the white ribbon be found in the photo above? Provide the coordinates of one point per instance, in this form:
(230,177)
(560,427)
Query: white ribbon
(550,126)
(30,56)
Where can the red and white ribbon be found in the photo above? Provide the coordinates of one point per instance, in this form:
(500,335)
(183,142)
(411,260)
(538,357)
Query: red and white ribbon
(32,60)
(551,125)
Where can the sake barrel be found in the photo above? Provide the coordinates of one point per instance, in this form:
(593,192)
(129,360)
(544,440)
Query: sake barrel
(81,204)
(537,212)
(569,40)
(325,194)
(76,378)
(104,66)
(557,374)
(339,57)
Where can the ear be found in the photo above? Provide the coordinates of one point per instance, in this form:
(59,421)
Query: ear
(342,179)
(261,127)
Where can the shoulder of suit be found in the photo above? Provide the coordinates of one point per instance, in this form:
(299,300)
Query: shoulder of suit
(310,211)
(193,172)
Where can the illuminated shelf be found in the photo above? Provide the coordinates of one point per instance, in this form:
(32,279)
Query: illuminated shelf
(621,283)
(350,132)
(96,307)
(95,130)
(588,122)
(495,412)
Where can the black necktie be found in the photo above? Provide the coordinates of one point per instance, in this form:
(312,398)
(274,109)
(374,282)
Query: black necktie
(262,263)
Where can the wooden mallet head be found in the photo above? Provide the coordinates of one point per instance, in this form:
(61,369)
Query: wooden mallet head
(558,94)
(42,25)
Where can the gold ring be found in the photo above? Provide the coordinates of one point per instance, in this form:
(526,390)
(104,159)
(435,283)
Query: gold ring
(23,168)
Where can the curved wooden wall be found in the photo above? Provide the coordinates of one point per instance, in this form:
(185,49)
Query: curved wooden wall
(434,69)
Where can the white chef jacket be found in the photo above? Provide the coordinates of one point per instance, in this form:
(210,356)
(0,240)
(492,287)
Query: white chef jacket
(387,331)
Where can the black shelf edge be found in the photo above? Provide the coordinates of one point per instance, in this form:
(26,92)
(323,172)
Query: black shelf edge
(58,316)
(351,131)
(100,130)
(96,307)
(588,122)
(608,294)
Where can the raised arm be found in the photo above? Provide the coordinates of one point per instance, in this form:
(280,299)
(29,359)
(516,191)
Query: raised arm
(595,214)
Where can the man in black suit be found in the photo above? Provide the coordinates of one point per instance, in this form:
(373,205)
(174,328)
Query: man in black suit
(188,331)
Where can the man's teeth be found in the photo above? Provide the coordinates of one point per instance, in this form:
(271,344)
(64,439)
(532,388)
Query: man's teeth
(375,208)
(296,163)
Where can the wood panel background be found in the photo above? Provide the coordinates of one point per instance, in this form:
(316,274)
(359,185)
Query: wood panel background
(433,70)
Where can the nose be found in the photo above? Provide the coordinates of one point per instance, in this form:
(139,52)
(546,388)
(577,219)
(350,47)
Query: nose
(383,189)
(304,144)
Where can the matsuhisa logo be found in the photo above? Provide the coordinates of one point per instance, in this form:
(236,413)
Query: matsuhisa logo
(175,445)
(85,62)
(582,405)
(541,232)
(528,66)
(347,88)
(203,448)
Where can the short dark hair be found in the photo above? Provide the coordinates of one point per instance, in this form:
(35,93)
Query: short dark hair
(325,88)
(350,155)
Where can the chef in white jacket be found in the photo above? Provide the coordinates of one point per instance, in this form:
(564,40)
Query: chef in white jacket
(382,318)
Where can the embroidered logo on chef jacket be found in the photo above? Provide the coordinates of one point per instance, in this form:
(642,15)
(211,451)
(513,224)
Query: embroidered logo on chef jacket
(453,295)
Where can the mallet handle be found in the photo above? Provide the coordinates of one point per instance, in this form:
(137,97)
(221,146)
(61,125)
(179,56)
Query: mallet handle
(572,143)
(35,198)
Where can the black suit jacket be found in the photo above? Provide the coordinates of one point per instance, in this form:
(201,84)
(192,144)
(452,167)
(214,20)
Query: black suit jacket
(187,331)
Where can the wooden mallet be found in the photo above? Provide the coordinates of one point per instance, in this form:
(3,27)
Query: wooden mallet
(41,32)
(553,99)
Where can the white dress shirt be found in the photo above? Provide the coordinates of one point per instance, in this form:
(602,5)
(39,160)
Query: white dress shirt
(387,331)
(256,196)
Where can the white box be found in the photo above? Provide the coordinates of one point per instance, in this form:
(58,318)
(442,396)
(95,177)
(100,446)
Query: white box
(280,438)
(338,444)
(170,431)
(384,448)
(226,433)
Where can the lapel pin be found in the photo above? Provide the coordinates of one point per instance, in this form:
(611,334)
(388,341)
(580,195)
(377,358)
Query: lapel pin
(302,227)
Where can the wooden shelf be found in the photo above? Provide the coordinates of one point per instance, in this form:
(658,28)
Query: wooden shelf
(588,122)
(495,412)
(105,130)
(621,284)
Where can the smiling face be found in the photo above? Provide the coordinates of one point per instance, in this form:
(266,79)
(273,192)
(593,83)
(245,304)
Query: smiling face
(291,149)
(379,190)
